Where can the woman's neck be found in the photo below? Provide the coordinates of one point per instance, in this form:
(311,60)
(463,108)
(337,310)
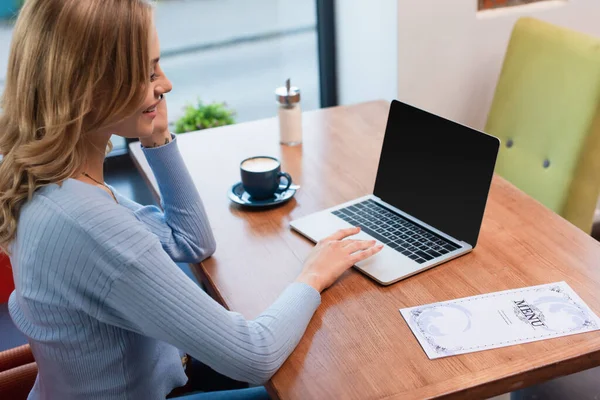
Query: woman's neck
(95,155)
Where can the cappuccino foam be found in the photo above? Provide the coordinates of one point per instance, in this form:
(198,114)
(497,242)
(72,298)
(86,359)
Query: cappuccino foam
(260,164)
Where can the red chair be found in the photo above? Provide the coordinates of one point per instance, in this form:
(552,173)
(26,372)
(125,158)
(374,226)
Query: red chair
(6,279)
(18,369)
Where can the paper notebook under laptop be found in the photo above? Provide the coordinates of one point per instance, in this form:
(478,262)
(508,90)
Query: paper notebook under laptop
(430,194)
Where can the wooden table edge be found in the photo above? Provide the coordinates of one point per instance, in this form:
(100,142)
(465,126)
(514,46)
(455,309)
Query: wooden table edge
(532,377)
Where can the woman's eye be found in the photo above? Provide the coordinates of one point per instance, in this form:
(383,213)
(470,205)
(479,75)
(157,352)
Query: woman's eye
(153,77)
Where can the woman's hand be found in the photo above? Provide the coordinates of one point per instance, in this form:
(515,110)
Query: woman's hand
(160,135)
(334,255)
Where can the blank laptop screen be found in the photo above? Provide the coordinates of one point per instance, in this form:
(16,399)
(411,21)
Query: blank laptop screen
(436,170)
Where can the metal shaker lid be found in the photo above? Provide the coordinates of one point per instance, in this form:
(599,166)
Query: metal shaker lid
(287,94)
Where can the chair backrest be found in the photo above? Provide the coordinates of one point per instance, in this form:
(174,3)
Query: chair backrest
(6,278)
(18,371)
(546,113)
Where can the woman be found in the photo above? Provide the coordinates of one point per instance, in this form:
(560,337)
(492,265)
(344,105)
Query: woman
(106,310)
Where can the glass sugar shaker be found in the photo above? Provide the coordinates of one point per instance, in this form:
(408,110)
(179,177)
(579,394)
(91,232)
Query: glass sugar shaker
(289,114)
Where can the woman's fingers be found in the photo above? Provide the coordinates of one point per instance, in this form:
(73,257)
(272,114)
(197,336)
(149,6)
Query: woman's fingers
(342,234)
(357,245)
(363,255)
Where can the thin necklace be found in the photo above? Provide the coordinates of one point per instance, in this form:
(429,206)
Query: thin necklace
(102,184)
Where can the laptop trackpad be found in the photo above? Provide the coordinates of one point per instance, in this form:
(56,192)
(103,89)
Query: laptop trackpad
(386,267)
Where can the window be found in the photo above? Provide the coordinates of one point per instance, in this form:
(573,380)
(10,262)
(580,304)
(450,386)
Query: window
(238,52)
(232,51)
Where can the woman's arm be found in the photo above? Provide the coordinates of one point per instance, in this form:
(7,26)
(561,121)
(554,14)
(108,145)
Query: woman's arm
(183,228)
(154,298)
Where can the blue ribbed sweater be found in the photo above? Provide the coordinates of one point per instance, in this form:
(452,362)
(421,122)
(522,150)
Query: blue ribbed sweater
(107,311)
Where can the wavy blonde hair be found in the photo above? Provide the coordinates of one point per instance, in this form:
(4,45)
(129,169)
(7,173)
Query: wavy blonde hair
(75,67)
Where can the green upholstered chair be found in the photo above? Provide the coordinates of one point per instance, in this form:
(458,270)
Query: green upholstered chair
(546,112)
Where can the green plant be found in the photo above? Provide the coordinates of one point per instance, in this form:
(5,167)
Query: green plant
(204,116)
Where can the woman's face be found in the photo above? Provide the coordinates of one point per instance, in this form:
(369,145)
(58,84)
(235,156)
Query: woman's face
(146,119)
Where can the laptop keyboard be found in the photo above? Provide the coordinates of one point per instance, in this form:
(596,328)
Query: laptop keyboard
(399,233)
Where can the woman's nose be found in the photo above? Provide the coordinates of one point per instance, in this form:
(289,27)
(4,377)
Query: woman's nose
(165,86)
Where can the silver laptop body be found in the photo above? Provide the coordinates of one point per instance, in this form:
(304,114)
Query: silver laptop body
(412,245)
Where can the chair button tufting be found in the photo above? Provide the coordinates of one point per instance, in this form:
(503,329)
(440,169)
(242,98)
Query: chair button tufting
(509,143)
(546,163)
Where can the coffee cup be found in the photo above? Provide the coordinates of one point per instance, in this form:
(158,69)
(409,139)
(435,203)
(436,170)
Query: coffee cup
(261,177)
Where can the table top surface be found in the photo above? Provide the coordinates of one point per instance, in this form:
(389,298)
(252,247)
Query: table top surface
(357,344)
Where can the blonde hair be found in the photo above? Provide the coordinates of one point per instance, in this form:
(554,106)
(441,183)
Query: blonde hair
(75,67)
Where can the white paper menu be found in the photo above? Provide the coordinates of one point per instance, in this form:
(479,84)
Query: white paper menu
(499,319)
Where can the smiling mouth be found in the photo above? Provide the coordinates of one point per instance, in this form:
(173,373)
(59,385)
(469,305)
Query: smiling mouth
(152,108)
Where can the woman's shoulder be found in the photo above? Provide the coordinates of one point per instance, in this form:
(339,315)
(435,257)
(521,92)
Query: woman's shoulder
(72,243)
(84,215)
(74,198)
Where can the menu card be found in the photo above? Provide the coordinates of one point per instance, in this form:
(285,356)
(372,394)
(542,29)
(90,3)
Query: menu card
(499,319)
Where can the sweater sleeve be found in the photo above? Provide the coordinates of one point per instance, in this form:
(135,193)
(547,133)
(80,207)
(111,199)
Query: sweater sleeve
(154,298)
(183,228)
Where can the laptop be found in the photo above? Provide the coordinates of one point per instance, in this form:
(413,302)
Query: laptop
(430,193)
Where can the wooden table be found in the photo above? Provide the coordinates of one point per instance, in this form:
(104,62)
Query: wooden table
(357,345)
